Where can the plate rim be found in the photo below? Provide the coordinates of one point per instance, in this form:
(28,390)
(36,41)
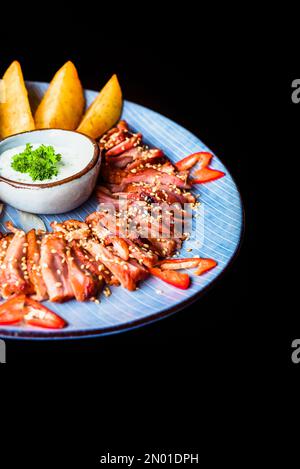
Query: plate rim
(39,335)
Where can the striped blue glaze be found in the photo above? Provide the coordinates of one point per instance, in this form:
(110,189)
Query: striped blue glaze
(222,223)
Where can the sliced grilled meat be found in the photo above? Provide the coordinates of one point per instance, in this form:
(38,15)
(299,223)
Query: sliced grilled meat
(127,273)
(34,267)
(54,268)
(14,278)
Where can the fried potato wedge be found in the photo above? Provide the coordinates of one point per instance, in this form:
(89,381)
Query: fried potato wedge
(63,104)
(15,112)
(104,112)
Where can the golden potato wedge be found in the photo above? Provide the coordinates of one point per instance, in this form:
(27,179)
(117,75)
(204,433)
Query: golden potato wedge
(15,112)
(104,112)
(63,104)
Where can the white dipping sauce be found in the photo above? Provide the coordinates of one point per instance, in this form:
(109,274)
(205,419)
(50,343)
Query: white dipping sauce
(72,162)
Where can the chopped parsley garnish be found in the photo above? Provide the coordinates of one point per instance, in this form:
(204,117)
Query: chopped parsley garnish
(41,163)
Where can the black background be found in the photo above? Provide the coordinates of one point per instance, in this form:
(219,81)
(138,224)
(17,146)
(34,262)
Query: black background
(221,75)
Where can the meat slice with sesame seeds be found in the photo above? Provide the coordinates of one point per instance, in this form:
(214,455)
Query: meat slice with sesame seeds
(4,243)
(153,176)
(129,274)
(135,157)
(94,266)
(54,268)
(142,253)
(165,247)
(71,229)
(84,285)
(14,278)
(34,267)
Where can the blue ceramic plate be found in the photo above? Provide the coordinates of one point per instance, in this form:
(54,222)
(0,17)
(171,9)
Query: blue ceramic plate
(218,234)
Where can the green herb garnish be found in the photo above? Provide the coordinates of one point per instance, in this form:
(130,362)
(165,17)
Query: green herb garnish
(40,164)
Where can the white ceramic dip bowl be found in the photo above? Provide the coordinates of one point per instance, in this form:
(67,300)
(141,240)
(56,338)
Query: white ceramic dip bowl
(61,195)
